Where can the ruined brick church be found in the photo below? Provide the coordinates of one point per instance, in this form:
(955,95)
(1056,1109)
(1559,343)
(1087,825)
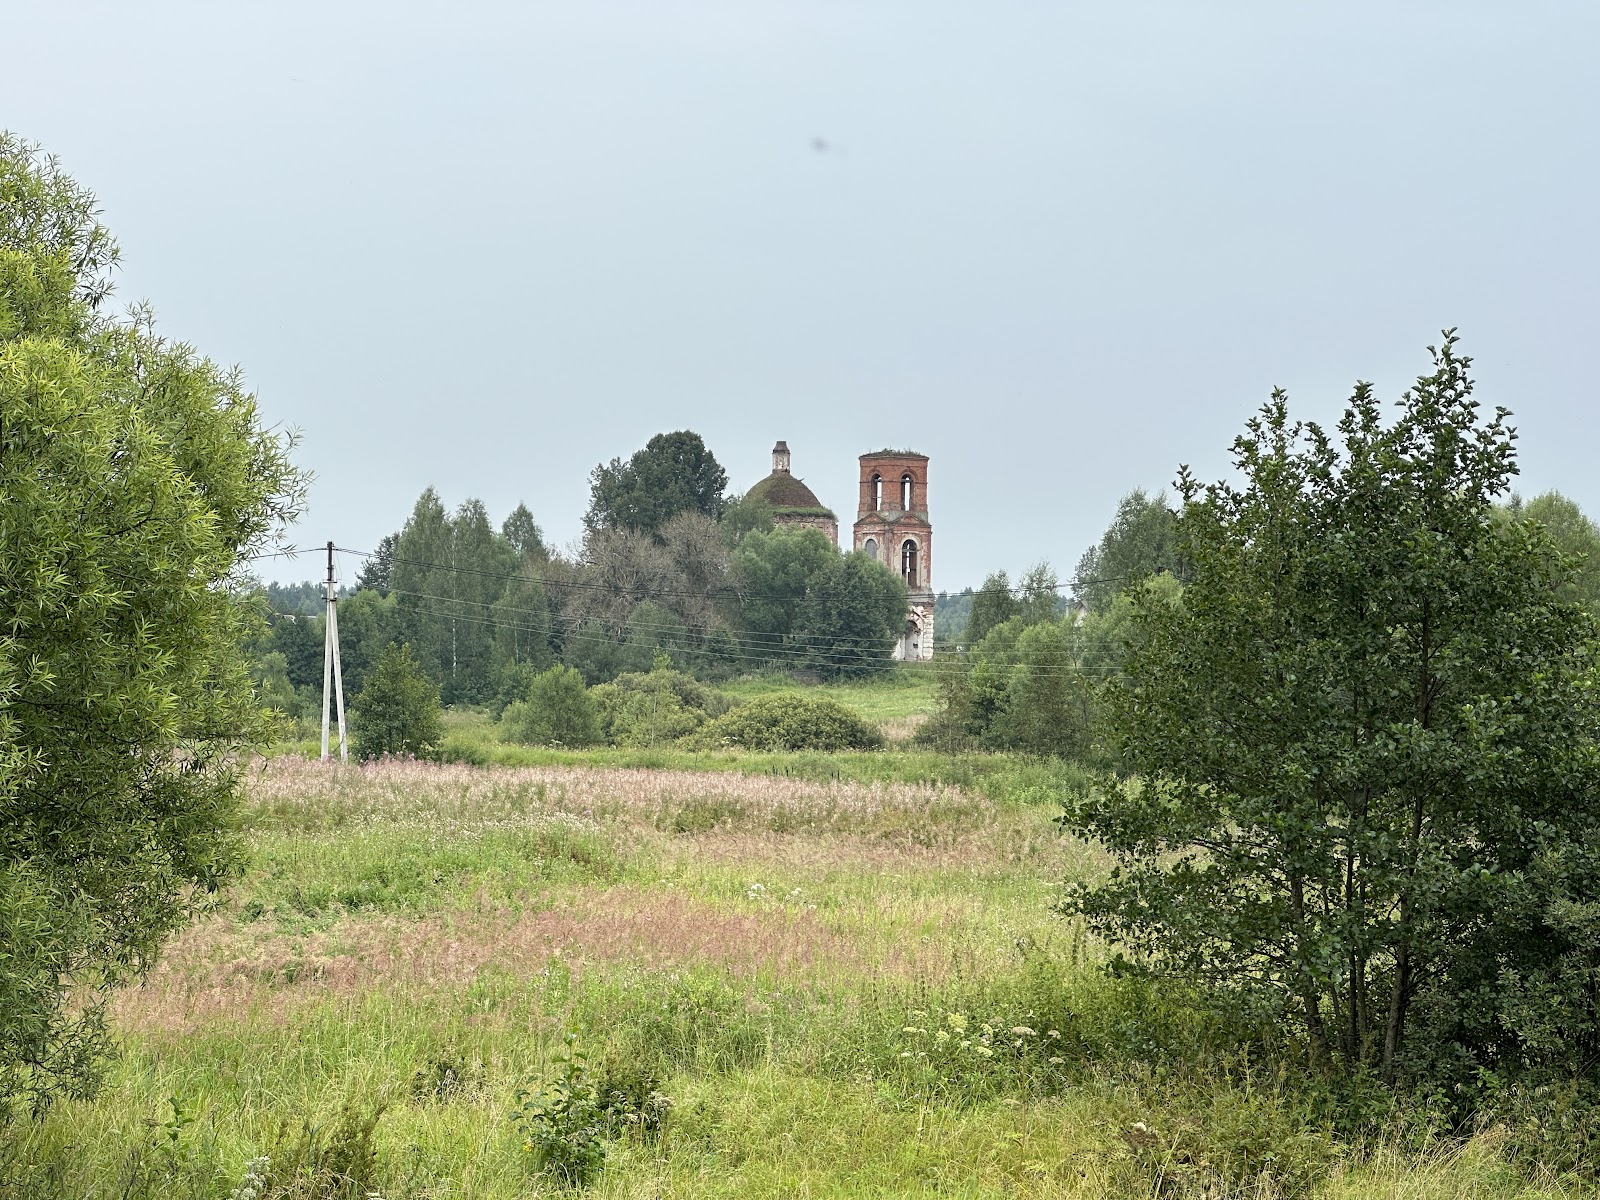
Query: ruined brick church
(891,525)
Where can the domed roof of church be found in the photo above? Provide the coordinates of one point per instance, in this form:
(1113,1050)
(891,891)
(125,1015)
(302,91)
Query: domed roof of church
(781,490)
(784,494)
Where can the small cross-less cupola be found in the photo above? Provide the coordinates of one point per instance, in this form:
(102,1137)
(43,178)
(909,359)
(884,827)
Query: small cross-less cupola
(780,457)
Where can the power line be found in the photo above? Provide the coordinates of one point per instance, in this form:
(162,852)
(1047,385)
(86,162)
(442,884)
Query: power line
(790,654)
(794,648)
(593,586)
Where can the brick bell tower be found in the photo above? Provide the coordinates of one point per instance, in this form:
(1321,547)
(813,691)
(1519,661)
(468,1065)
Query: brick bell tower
(892,525)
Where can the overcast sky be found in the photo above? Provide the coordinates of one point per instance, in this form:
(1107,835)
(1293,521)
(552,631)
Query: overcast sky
(1060,248)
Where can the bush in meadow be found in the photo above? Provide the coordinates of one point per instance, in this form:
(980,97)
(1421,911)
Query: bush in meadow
(790,721)
(559,711)
(397,711)
(656,708)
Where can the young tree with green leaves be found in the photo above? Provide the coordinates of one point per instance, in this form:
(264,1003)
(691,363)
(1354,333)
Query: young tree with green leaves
(992,604)
(524,535)
(558,711)
(771,572)
(1140,542)
(397,709)
(448,571)
(852,616)
(1362,751)
(136,477)
(1575,534)
(1039,594)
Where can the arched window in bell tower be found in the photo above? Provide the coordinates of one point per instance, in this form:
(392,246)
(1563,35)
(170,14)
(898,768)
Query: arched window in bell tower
(871,547)
(905,492)
(908,563)
(877,492)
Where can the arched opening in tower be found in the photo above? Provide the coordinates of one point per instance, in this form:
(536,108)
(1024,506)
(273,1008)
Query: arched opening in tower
(877,492)
(905,492)
(908,563)
(871,547)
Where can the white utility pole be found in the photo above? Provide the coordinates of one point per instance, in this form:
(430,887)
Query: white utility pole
(332,675)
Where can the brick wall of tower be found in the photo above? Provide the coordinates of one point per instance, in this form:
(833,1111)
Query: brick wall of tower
(890,524)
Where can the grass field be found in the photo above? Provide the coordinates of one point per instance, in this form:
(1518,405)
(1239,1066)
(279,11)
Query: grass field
(896,701)
(831,976)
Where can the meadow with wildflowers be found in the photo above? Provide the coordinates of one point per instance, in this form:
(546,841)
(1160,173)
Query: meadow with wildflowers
(763,976)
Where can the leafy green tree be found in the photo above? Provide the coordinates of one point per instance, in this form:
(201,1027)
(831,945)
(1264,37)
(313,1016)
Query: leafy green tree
(307,599)
(853,614)
(1576,536)
(300,641)
(523,534)
(590,649)
(992,604)
(1364,775)
(368,623)
(657,707)
(673,473)
(771,573)
(1026,688)
(559,711)
(654,629)
(1140,541)
(419,576)
(1048,707)
(951,612)
(270,673)
(482,562)
(397,710)
(136,478)
(1039,595)
(378,570)
(522,624)
(448,572)
(745,515)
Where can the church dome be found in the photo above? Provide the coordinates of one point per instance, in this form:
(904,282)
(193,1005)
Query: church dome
(784,494)
(781,490)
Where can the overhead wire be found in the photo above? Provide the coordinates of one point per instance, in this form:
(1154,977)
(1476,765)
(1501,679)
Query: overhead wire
(802,648)
(800,655)
(799,658)
(593,586)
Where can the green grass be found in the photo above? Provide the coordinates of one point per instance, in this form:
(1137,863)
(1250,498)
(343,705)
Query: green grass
(846,979)
(904,692)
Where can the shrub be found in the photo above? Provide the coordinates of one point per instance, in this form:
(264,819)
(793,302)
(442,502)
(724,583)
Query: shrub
(558,711)
(656,708)
(790,721)
(562,1121)
(397,711)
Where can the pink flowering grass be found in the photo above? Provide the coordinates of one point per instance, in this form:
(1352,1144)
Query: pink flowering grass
(306,796)
(427,877)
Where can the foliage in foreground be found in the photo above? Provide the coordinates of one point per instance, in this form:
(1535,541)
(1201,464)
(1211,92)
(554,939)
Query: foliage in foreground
(1364,754)
(893,1012)
(135,476)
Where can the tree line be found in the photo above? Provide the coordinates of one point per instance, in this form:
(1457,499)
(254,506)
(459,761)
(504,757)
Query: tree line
(669,564)
(1034,671)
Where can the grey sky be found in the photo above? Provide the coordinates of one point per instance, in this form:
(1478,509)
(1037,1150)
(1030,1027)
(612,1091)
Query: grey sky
(1058,248)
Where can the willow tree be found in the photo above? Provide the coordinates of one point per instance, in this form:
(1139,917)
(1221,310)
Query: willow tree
(1362,778)
(135,478)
